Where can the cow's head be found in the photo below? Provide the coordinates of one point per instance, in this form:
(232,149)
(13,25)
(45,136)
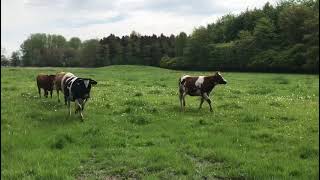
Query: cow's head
(51,79)
(81,88)
(219,79)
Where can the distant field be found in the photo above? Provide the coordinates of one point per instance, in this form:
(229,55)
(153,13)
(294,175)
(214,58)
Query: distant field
(263,126)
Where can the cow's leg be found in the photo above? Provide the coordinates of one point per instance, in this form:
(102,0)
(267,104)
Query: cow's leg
(80,107)
(51,93)
(83,103)
(181,90)
(81,115)
(58,95)
(201,102)
(184,99)
(65,100)
(46,93)
(180,99)
(69,108)
(77,106)
(206,97)
(39,90)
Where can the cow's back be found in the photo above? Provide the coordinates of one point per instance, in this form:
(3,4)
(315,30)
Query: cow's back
(189,81)
(188,84)
(68,77)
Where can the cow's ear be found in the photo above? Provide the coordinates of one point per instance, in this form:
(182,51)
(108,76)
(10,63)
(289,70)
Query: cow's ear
(86,82)
(93,82)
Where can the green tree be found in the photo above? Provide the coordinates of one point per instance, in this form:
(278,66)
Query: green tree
(245,48)
(155,53)
(292,21)
(89,51)
(4,60)
(264,33)
(31,47)
(196,52)
(103,57)
(15,58)
(71,57)
(180,43)
(74,43)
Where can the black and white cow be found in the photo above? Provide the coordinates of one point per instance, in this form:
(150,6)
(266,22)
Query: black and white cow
(198,86)
(75,89)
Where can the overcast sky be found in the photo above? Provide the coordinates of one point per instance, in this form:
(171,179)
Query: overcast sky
(88,19)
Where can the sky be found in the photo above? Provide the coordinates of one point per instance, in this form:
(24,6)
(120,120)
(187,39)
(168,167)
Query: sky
(89,19)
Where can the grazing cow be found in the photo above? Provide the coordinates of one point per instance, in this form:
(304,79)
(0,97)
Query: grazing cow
(74,89)
(46,82)
(198,86)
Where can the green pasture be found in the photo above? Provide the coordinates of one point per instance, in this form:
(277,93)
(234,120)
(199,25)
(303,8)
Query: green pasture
(263,126)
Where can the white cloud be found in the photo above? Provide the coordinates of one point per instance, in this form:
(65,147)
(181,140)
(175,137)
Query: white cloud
(98,18)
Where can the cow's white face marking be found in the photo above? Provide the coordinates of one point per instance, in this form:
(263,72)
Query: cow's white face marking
(86,83)
(199,81)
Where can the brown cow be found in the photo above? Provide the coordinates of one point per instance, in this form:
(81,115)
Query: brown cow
(198,86)
(46,82)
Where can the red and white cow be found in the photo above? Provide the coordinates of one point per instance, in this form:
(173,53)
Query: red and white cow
(198,86)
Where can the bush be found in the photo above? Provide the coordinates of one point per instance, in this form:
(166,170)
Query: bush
(172,63)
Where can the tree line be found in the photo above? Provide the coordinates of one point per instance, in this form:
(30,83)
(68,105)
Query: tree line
(280,38)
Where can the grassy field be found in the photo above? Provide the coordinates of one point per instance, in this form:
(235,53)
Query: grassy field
(263,126)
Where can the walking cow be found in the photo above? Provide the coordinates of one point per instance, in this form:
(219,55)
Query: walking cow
(74,89)
(198,86)
(46,83)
